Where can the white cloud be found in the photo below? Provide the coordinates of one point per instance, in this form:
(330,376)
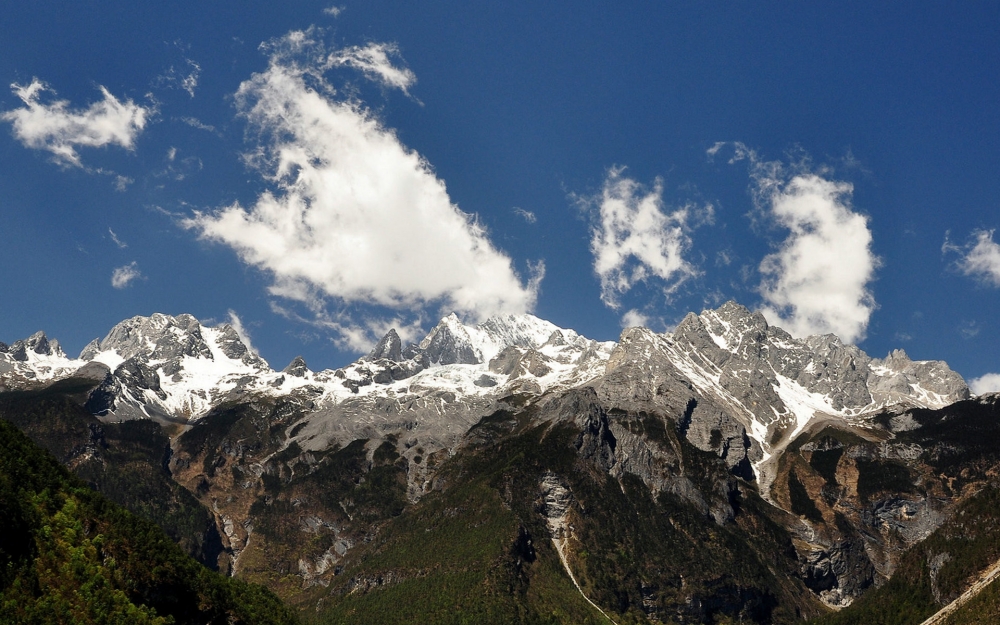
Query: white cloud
(125,275)
(527,215)
(241,331)
(122,182)
(114,237)
(334,11)
(980,259)
(635,238)
(817,281)
(353,215)
(194,122)
(634,319)
(374,62)
(969,329)
(989,383)
(60,130)
(180,79)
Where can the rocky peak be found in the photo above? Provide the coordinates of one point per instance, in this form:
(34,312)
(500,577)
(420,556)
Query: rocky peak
(40,344)
(232,346)
(157,337)
(448,343)
(297,367)
(928,383)
(525,331)
(37,343)
(389,348)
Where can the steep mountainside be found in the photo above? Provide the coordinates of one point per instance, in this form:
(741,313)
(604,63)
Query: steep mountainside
(954,456)
(67,555)
(561,471)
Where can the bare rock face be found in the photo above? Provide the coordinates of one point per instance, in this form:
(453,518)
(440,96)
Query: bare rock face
(448,343)
(389,348)
(297,367)
(232,346)
(641,377)
(894,378)
(158,337)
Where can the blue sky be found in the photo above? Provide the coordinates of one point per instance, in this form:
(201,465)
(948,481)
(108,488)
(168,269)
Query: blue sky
(325,171)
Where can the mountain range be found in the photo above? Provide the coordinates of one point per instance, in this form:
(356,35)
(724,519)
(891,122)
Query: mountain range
(515,471)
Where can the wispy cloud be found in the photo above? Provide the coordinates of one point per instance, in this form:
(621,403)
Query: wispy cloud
(125,275)
(334,11)
(526,215)
(241,331)
(196,123)
(122,182)
(636,238)
(980,258)
(969,330)
(179,168)
(185,78)
(817,280)
(374,61)
(114,237)
(988,383)
(59,129)
(353,216)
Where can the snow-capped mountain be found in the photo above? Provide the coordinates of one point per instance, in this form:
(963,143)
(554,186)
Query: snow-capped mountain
(764,384)
(773,385)
(175,368)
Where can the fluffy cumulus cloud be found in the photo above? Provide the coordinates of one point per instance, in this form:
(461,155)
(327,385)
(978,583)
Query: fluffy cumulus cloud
(125,275)
(636,238)
(981,258)
(989,383)
(59,129)
(353,216)
(817,280)
(633,318)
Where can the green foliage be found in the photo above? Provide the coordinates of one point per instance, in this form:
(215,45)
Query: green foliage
(71,556)
(126,461)
(983,609)
(971,540)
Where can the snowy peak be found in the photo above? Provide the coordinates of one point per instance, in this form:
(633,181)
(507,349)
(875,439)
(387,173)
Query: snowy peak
(34,359)
(165,338)
(777,384)
(452,342)
(37,344)
(447,344)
